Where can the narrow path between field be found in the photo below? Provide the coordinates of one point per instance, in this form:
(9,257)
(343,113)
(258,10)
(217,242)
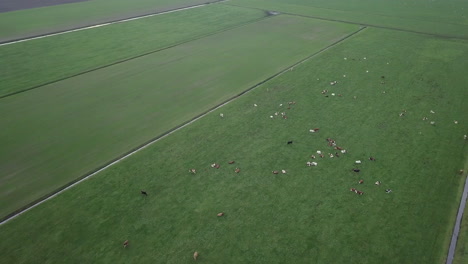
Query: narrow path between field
(150,142)
(9,42)
(456,229)
(356,23)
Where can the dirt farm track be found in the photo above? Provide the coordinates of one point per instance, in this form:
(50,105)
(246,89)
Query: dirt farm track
(13,5)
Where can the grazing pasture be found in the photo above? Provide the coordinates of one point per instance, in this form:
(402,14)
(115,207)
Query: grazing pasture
(59,132)
(392,85)
(37,21)
(53,58)
(447,18)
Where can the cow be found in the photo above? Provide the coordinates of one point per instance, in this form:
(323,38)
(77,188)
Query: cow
(361,181)
(237,170)
(125,243)
(372,158)
(193,171)
(231,162)
(290,142)
(144,193)
(195,255)
(275,172)
(220,214)
(356,170)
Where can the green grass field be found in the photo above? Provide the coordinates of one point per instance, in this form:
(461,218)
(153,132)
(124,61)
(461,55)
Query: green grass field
(48,59)
(83,122)
(448,18)
(307,215)
(24,23)
(391,83)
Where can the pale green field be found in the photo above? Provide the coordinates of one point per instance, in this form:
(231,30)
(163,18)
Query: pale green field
(64,130)
(24,23)
(49,59)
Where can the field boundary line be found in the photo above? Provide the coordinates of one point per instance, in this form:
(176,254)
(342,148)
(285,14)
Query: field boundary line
(148,143)
(457,226)
(137,56)
(110,22)
(357,23)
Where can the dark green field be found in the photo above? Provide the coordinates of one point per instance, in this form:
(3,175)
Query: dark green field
(399,97)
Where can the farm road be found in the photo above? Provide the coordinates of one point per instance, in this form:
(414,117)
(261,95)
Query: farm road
(154,140)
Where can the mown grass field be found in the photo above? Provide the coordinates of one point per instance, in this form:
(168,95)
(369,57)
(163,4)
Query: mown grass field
(49,59)
(448,18)
(61,131)
(24,23)
(306,215)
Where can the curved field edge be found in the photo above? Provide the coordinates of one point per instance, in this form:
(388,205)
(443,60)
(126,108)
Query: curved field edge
(59,57)
(461,253)
(303,215)
(45,20)
(430,17)
(83,122)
